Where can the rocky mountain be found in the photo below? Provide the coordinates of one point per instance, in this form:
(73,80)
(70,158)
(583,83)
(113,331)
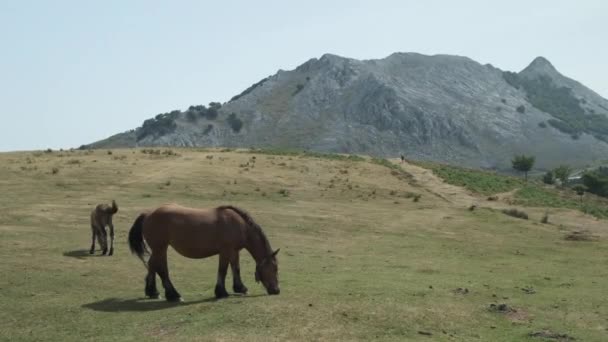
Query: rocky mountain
(442,108)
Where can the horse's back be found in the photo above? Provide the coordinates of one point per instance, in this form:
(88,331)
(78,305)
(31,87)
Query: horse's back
(195,233)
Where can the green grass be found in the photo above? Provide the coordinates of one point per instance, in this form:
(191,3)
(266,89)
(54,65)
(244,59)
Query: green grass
(536,195)
(354,265)
(482,182)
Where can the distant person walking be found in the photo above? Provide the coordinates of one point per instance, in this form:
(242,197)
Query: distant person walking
(402,159)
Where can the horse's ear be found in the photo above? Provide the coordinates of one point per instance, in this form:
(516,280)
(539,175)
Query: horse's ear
(274,254)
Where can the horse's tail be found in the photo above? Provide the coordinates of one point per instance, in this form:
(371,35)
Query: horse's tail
(114,209)
(136,239)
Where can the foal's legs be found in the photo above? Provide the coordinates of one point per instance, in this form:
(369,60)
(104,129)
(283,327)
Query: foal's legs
(158,264)
(220,288)
(103,239)
(93,240)
(237,283)
(111,238)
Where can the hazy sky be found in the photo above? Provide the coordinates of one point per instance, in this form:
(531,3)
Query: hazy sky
(73,72)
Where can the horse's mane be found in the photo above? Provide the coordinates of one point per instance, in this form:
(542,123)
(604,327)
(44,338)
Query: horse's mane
(249,220)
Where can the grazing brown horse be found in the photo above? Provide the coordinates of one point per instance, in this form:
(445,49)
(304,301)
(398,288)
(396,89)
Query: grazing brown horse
(101,217)
(201,233)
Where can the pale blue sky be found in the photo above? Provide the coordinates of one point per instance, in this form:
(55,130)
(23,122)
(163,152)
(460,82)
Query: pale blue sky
(73,72)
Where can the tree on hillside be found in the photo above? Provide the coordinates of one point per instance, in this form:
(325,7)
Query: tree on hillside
(548,178)
(580,190)
(562,173)
(596,182)
(523,164)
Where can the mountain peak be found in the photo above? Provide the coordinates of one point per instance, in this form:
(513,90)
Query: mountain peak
(540,64)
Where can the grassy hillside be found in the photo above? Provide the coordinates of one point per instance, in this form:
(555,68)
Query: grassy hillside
(367,253)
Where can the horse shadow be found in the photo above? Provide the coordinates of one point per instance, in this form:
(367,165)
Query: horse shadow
(78,254)
(146,304)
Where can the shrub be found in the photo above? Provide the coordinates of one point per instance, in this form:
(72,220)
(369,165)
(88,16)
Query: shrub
(54,170)
(235,123)
(208,129)
(581,235)
(545,218)
(596,183)
(542,124)
(548,178)
(580,190)
(562,173)
(521,109)
(516,213)
(299,88)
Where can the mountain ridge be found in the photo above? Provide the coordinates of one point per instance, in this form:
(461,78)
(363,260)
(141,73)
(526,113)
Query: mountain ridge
(441,107)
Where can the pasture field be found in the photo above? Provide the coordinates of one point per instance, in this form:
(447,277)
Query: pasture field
(369,251)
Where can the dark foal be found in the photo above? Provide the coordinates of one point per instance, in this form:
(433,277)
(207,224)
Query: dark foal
(201,233)
(101,217)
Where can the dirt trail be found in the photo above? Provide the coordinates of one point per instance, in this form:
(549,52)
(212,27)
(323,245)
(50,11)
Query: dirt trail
(566,219)
(450,193)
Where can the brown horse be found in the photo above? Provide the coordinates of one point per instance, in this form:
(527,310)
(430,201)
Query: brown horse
(101,217)
(201,233)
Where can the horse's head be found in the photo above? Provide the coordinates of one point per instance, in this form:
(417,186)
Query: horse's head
(267,272)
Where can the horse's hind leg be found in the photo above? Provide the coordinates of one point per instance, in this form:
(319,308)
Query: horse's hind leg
(220,287)
(237,283)
(103,239)
(92,250)
(151,290)
(158,263)
(111,238)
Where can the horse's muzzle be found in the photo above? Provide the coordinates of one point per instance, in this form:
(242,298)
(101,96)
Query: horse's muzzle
(274,291)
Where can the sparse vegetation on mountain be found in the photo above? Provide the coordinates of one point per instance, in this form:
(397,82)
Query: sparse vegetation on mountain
(397,105)
(235,123)
(560,102)
(160,125)
(249,90)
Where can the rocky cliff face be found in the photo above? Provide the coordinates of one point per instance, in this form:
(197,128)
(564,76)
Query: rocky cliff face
(443,108)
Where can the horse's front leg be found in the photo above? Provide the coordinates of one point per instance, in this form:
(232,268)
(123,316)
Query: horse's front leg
(220,288)
(237,284)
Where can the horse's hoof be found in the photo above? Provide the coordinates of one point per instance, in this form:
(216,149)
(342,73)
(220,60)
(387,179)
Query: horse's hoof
(111,251)
(240,289)
(153,296)
(220,292)
(104,251)
(92,251)
(175,299)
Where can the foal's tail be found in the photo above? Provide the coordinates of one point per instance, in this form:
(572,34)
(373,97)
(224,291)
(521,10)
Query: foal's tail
(114,208)
(136,239)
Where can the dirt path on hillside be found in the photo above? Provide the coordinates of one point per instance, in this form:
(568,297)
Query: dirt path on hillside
(427,180)
(562,218)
